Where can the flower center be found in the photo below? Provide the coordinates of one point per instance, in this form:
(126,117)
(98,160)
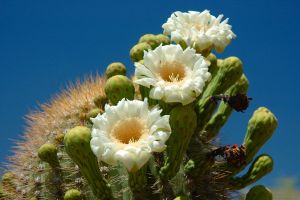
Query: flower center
(128,130)
(201,27)
(172,72)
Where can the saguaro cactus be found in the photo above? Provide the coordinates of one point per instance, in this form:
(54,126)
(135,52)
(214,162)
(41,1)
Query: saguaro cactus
(149,137)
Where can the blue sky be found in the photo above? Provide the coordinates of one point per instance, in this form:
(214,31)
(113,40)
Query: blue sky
(46,44)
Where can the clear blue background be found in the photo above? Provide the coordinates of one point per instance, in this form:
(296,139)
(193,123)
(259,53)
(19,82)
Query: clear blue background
(46,44)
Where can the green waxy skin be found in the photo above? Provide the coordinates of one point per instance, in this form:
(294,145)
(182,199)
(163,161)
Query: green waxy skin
(261,127)
(183,121)
(137,51)
(224,111)
(259,192)
(137,182)
(73,194)
(48,153)
(261,166)
(119,87)
(77,145)
(115,68)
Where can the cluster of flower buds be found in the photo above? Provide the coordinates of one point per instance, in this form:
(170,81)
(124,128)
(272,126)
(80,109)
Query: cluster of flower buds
(147,137)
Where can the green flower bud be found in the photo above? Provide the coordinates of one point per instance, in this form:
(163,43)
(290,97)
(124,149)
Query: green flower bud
(77,145)
(73,194)
(259,192)
(261,166)
(48,153)
(260,128)
(115,68)
(119,87)
(149,39)
(137,51)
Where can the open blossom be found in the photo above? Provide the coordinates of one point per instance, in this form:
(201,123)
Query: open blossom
(173,74)
(199,29)
(128,133)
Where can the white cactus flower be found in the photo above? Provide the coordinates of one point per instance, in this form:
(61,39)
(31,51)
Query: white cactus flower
(199,29)
(173,74)
(128,133)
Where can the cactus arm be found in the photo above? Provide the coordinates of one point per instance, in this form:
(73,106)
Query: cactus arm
(77,145)
(183,124)
(261,127)
(230,70)
(224,111)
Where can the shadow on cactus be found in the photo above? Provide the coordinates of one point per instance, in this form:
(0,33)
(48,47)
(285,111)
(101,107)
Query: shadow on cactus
(151,136)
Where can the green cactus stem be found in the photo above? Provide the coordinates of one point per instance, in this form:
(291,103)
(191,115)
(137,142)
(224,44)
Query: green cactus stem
(259,192)
(183,121)
(137,182)
(224,111)
(119,87)
(137,51)
(230,71)
(261,166)
(261,127)
(77,145)
(115,68)
(73,194)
